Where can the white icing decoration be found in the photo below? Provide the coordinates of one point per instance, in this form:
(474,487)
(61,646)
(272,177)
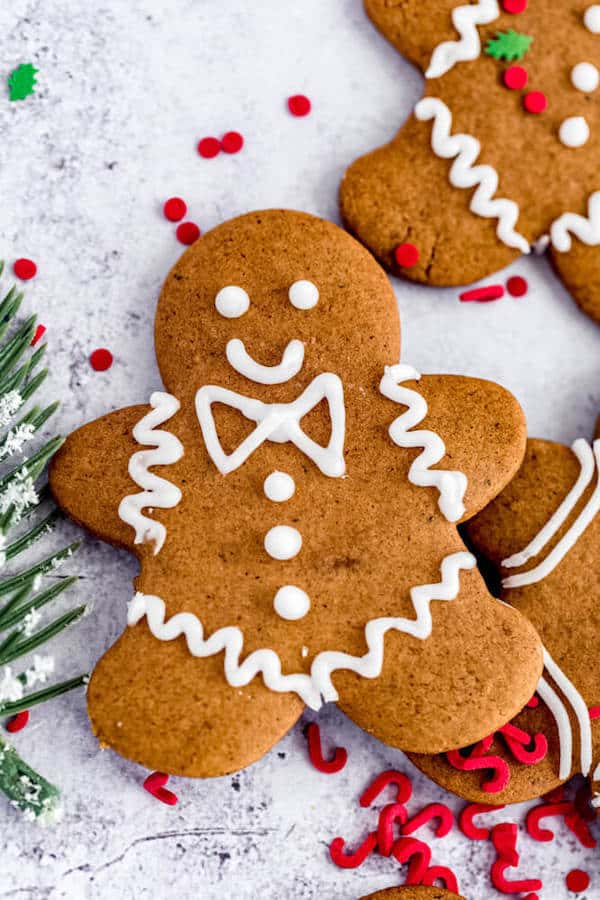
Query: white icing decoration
(278,422)
(451,485)
(570,538)
(465,19)
(291,603)
(242,362)
(586,229)
(563,724)
(559,711)
(283,542)
(279,487)
(465,149)
(303,294)
(317,686)
(574,131)
(591,18)
(585,77)
(157,492)
(541,245)
(232,301)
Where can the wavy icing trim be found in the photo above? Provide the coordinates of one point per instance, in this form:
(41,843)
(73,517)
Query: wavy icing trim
(464,149)
(465,20)
(157,491)
(317,687)
(451,485)
(586,229)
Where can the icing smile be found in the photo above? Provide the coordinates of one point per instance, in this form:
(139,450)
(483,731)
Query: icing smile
(291,363)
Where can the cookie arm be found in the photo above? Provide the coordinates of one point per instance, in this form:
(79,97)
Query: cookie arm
(414,27)
(88,476)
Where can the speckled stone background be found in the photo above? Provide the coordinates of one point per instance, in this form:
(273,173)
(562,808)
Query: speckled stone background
(125,91)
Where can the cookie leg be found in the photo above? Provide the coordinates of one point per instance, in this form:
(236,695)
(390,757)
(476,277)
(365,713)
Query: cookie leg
(401,193)
(579,270)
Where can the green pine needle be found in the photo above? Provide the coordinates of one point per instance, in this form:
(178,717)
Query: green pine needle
(509,45)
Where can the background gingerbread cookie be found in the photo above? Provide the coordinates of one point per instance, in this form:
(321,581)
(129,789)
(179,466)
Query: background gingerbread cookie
(296,530)
(500,155)
(416,892)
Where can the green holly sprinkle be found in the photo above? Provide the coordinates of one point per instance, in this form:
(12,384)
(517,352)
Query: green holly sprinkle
(508,45)
(21,81)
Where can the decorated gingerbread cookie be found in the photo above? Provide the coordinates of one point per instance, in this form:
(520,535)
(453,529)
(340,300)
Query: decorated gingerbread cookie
(414,892)
(502,153)
(292,497)
(542,536)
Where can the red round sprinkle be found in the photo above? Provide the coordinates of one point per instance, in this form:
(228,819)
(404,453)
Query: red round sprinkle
(515,78)
(299,105)
(209,147)
(101,359)
(514,6)
(18,722)
(232,142)
(517,287)
(39,333)
(535,102)
(594,712)
(175,209)
(406,255)
(187,232)
(577,880)
(24,269)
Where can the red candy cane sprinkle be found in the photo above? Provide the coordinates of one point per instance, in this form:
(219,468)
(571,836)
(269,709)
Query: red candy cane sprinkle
(517,287)
(577,880)
(504,838)
(39,333)
(514,6)
(175,209)
(535,102)
(101,359)
(232,142)
(482,294)
(391,776)
(579,827)
(416,853)
(353,860)
(328,766)
(389,815)
(515,78)
(25,269)
(544,811)
(441,873)
(518,742)
(406,255)
(501,772)
(431,811)
(18,722)
(187,233)
(468,826)
(155,785)
(299,105)
(209,147)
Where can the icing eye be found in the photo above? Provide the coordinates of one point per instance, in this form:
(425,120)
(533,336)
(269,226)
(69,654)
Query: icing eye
(232,301)
(303,294)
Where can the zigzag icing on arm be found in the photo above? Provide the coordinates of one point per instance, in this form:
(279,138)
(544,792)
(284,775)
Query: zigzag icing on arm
(465,19)
(450,484)
(586,229)
(313,689)
(157,492)
(465,149)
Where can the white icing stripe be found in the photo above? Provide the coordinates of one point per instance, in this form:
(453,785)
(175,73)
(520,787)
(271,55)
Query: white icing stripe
(157,492)
(578,706)
(465,149)
(561,717)
(465,19)
(586,229)
(451,485)
(242,362)
(569,539)
(317,686)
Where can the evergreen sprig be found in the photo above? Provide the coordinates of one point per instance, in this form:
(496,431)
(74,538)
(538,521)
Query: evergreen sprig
(22,598)
(509,45)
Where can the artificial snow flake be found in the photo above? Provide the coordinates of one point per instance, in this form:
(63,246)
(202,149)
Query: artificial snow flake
(19,494)
(38,673)
(9,404)
(11,689)
(30,622)
(508,45)
(16,437)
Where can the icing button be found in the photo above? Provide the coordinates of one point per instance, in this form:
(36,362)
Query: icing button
(283,542)
(291,603)
(574,131)
(591,18)
(585,77)
(279,487)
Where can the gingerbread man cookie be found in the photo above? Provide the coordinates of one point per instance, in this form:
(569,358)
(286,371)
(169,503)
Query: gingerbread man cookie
(414,892)
(502,153)
(295,527)
(542,536)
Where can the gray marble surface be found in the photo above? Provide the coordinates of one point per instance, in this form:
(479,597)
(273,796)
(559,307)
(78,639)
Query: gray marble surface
(125,90)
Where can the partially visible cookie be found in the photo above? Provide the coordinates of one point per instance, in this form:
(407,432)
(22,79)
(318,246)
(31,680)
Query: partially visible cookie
(416,892)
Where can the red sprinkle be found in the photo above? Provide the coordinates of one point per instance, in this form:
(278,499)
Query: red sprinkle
(517,287)
(39,333)
(467,825)
(441,873)
(594,712)
(431,811)
(504,838)
(101,359)
(187,233)
(483,294)
(155,785)
(535,102)
(580,829)
(389,815)
(531,704)
(577,880)
(515,78)
(209,147)
(299,105)
(18,722)
(352,860)
(518,742)
(329,766)
(543,811)
(477,760)
(514,6)
(406,255)
(24,268)
(232,142)
(419,854)
(175,209)
(391,776)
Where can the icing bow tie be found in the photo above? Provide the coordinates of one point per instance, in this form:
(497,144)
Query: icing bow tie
(278,422)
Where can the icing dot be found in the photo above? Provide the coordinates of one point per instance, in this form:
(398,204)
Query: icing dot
(232,301)
(279,487)
(299,105)
(303,294)
(101,359)
(208,147)
(406,255)
(516,286)
(187,233)
(577,880)
(515,78)
(514,6)
(232,142)
(24,269)
(291,602)
(283,542)
(574,131)
(591,18)
(535,102)
(175,209)
(585,77)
